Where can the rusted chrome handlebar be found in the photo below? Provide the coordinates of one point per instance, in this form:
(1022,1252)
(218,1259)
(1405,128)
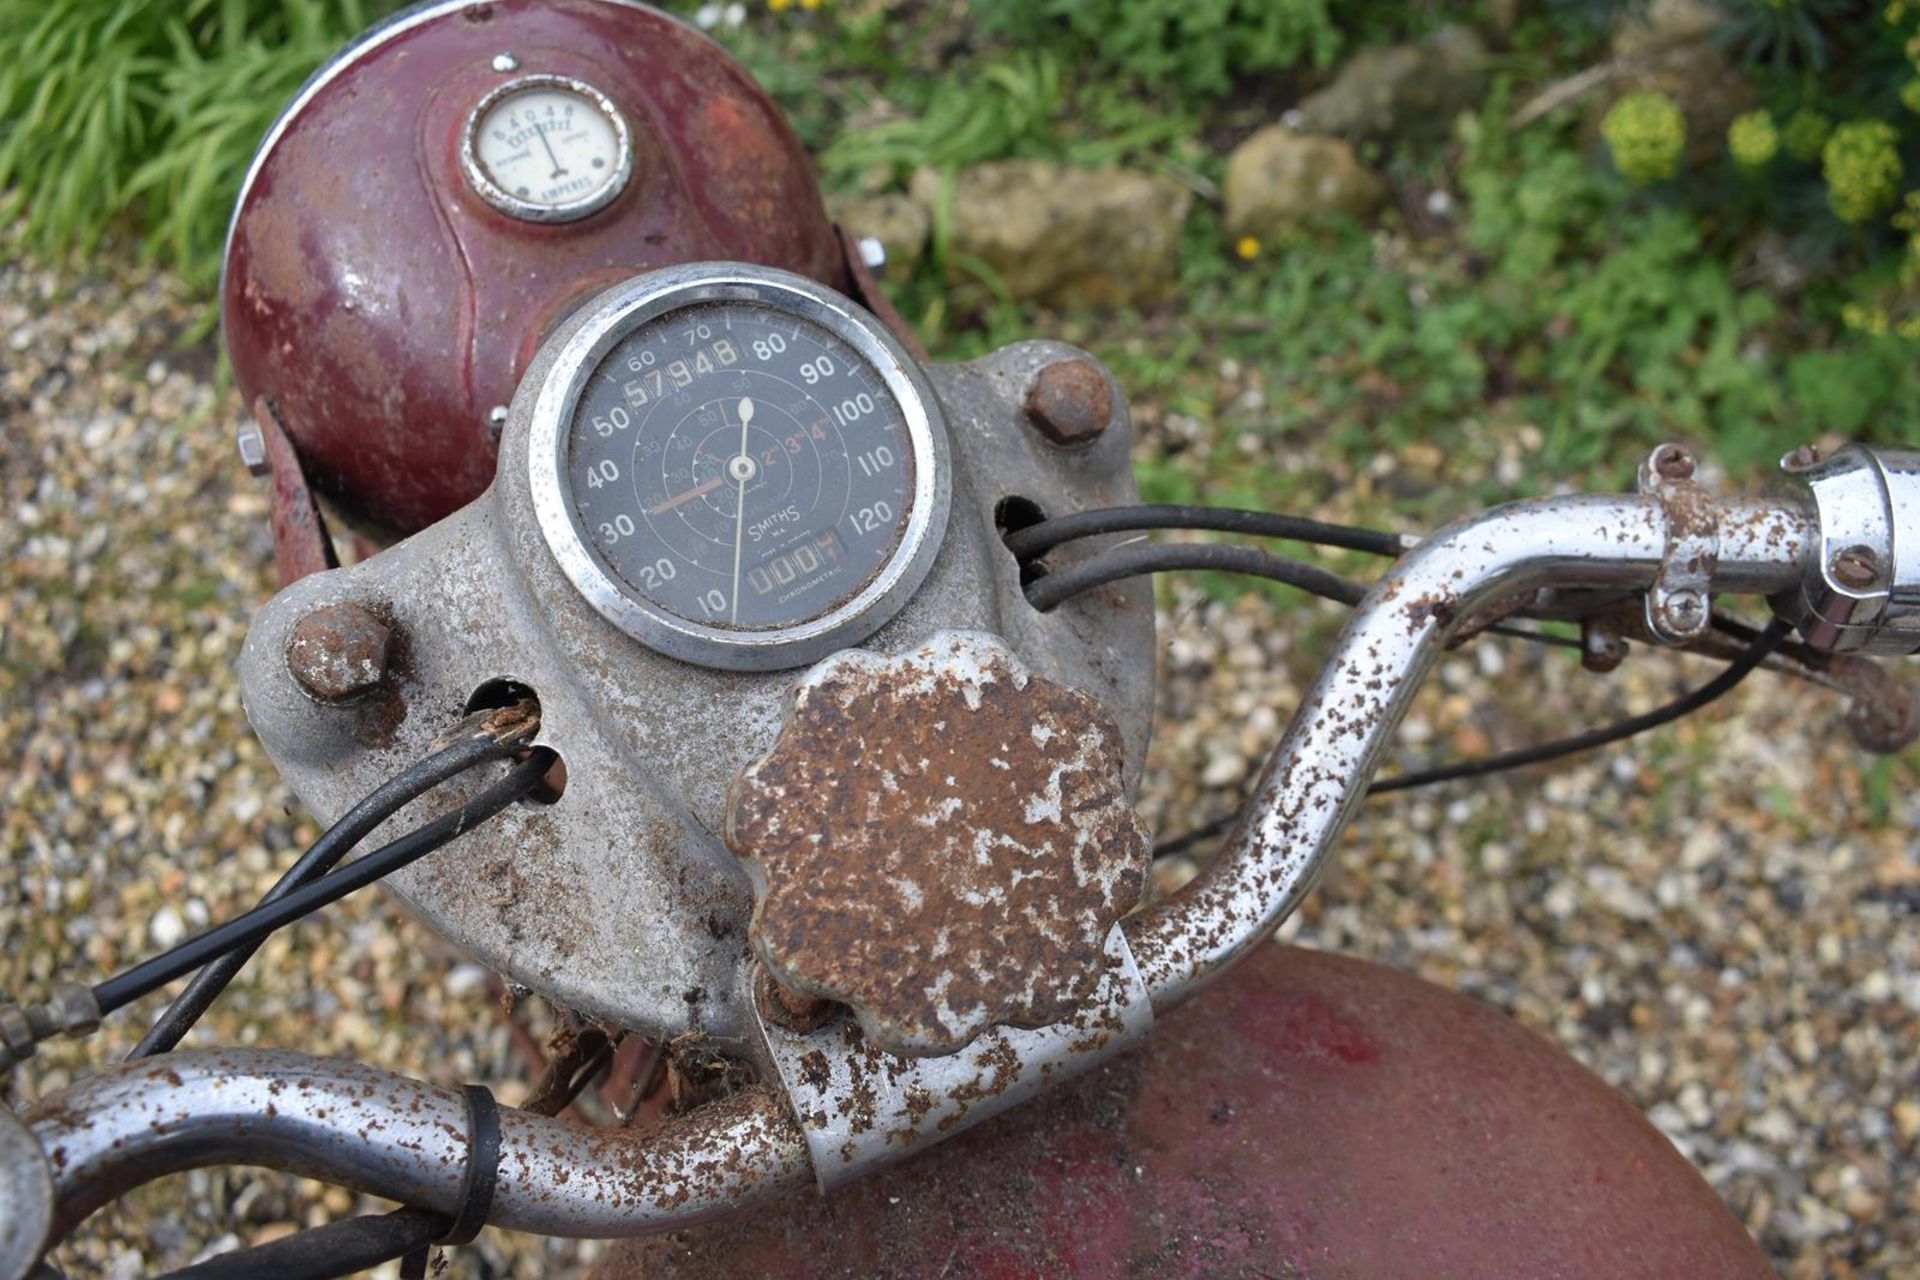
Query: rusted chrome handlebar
(402,1139)
(1320,771)
(406,1140)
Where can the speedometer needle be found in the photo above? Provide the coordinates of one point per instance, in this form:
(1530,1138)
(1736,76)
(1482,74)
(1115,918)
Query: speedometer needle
(742,468)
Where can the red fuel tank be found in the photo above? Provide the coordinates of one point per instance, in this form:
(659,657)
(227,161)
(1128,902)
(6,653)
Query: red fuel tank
(1310,1116)
(384,288)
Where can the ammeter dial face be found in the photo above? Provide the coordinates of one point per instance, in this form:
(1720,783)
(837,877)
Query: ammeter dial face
(749,471)
(547,149)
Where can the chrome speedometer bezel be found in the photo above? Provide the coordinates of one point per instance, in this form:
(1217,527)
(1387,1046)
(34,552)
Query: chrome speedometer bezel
(592,336)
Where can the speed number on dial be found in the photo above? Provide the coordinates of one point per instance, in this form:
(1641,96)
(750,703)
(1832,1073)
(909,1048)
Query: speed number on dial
(752,471)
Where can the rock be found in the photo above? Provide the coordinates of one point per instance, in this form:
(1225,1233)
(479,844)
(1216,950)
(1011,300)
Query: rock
(1278,180)
(1401,91)
(166,928)
(1066,237)
(1665,25)
(899,222)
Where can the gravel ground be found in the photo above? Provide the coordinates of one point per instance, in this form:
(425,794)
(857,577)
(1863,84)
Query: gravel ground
(1715,919)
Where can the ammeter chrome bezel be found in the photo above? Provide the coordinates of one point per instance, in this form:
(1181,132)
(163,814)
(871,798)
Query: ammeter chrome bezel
(526,210)
(593,335)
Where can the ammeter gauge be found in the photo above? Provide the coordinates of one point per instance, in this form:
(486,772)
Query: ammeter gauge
(547,149)
(738,466)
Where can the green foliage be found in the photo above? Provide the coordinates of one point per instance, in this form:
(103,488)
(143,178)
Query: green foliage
(1861,165)
(1646,135)
(1753,140)
(1806,133)
(1196,46)
(113,106)
(1004,109)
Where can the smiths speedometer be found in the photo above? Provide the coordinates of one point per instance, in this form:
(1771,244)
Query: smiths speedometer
(738,467)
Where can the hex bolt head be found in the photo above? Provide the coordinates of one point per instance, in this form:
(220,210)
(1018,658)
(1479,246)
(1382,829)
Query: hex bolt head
(873,253)
(1856,569)
(1070,402)
(338,652)
(1672,462)
(252,444)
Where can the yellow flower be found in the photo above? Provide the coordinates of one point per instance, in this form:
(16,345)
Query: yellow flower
(1868,320)
(1861,165)
(1647,135)
(1753,140)
(779,6)
(1247,247)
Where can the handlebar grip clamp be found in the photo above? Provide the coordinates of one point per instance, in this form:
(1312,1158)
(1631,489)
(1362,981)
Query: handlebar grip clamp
(1863,594)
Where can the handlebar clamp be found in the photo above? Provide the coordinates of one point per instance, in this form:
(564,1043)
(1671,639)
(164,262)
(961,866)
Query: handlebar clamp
(1863,592)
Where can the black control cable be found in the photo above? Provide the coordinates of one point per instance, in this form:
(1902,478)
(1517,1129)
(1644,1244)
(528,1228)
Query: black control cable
(494,737)
(1037,539)
(252,927)
(1051,591)
(1764,643)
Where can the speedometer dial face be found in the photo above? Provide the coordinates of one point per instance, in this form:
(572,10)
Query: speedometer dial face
(738,467)
(742,467)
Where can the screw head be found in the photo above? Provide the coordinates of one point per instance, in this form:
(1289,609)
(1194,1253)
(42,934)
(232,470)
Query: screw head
(505,62)
(1070,402)
(252,444)
(338,652)
(1856,569)
(1671,462)
(1804,458)
(873,253)
(1685,609)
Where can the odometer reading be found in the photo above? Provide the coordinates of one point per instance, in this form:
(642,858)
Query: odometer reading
(740,467)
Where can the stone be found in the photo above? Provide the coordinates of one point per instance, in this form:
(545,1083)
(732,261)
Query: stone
(1279,180)
(899,222)
(1402,91)
(1065,237)
(1665,25)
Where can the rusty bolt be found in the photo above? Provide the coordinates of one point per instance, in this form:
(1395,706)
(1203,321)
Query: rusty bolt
(1070,402)
(338,652)
(1856,569)
(1888,724)
(1602,647)
(797,1013)
(1801,459)
(1672,462)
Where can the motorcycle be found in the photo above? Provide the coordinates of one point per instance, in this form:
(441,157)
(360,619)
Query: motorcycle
(734,677)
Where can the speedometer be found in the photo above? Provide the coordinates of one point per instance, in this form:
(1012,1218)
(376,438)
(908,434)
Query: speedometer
(738,467)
